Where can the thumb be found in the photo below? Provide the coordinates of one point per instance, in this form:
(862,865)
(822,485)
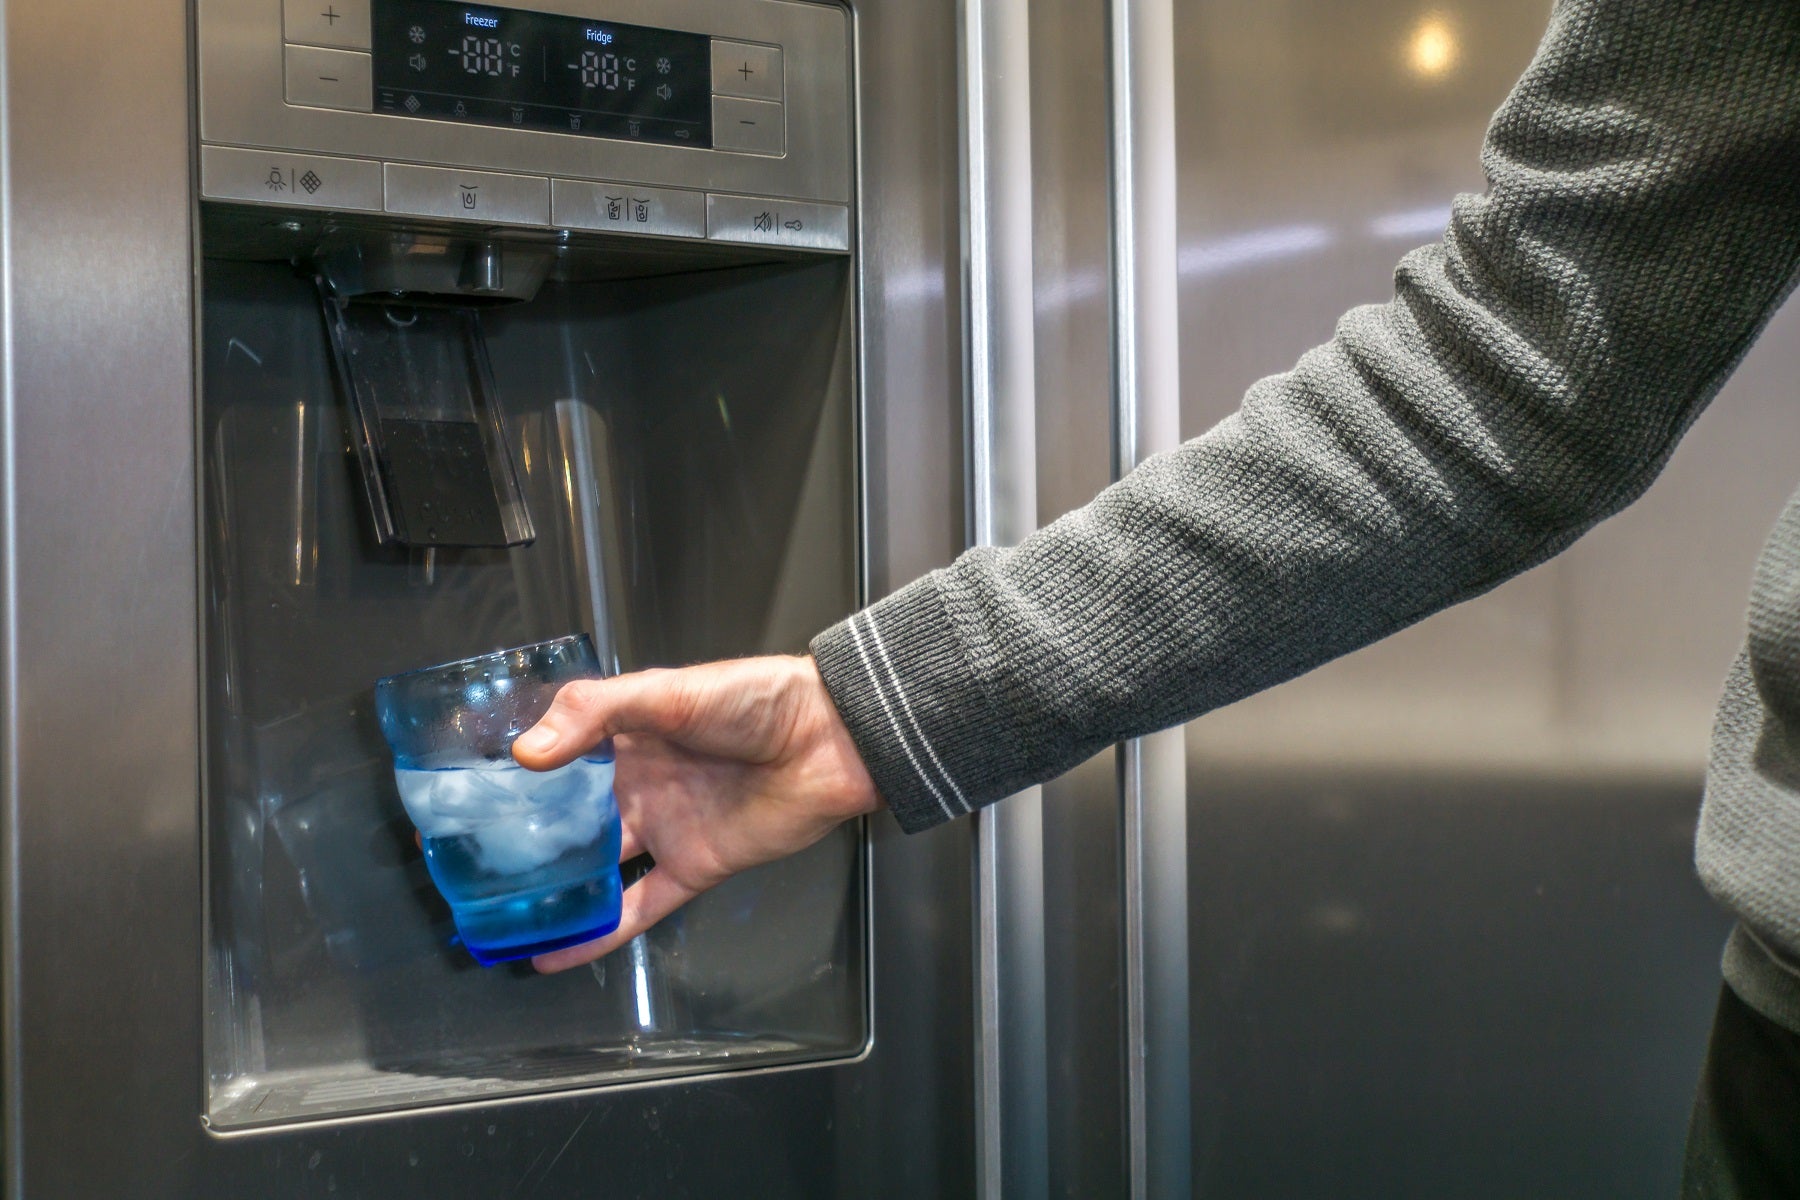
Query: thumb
(588,711)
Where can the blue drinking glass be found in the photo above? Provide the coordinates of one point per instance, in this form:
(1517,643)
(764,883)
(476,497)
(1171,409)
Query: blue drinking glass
(529,860)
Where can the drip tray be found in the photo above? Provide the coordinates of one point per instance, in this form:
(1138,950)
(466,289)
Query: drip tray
(274,1098)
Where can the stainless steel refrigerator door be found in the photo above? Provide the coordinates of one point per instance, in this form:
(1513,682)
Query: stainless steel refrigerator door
(1113,830)
(1446,935)
(1083,952)
(103,1014)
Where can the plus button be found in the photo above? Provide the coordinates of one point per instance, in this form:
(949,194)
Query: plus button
(746,72)
(331,15)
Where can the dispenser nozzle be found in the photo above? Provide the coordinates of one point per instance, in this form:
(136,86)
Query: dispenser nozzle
(483,269)
(429,269)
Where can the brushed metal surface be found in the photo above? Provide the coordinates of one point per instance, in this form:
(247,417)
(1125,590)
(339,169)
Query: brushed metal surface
(12,1134)
(341,23)
(458,195)
(322,78)
(1443,892)
(100,733)
(1083,933)
(1147,421)
(240,50)
(273,177)
(103,1040)
(1507,978)
(919,1116)
(1153,846)
(762,221)
(623,208)
(748,126)
(1011,1081)
(743,69)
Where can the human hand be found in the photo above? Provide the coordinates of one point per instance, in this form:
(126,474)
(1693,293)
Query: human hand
(720,768)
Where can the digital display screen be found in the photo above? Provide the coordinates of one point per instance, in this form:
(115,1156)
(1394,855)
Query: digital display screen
(503,66)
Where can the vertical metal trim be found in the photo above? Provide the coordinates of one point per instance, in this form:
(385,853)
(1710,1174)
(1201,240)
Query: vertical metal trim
(1153,790)
(997,269)
(1152,783)
(575,423)
(1146,332)
(1131,882)
(1012,1139)
(861,469)
(1012,1151)
(11,1078)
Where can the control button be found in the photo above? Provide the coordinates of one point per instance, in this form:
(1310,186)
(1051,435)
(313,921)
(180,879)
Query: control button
(625,208)
(341,23)
(748,126)
(468,195)
(741,69)
(793,223)
(329,78)
(274,177)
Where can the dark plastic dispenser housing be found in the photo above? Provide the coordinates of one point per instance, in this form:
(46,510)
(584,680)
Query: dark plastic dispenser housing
(431,439)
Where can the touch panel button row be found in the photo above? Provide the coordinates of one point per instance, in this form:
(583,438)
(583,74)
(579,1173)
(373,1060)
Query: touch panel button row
(746,69)
(749,126)
(797,224)
(320,78)
(484,196)
(277,177)
(627,208)
(341,23)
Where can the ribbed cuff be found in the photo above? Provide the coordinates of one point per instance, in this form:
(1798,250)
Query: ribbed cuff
(915,707)
(1762,979)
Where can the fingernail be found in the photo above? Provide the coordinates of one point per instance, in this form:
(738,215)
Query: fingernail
(539,739)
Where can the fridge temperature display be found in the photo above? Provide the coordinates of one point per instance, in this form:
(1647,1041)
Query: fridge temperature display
(508,67)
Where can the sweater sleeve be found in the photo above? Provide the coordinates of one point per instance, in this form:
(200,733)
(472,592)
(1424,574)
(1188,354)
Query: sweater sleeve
(1529,378)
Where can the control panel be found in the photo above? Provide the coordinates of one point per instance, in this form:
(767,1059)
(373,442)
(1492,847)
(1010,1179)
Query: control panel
(727,120)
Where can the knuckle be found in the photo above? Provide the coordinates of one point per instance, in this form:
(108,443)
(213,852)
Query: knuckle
(684,703)
(584,699)
(670,701)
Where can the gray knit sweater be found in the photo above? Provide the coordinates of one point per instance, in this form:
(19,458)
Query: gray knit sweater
(1530,378)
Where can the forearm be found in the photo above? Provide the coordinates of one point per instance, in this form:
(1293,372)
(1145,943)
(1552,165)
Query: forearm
(1529,378)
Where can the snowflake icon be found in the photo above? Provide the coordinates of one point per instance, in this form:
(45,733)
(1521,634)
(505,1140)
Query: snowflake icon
(664,65)
(417,34)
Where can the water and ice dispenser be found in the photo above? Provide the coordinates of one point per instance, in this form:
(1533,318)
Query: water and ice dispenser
(516,323)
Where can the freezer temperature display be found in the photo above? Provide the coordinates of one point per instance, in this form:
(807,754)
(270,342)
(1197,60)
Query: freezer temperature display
(528,70)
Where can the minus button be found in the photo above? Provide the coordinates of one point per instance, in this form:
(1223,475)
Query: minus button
(320,77)
(749,126)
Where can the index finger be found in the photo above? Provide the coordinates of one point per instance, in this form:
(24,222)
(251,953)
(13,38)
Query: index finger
(645,903)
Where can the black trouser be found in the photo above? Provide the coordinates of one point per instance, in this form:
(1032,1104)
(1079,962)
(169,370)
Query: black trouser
(1744,1138)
